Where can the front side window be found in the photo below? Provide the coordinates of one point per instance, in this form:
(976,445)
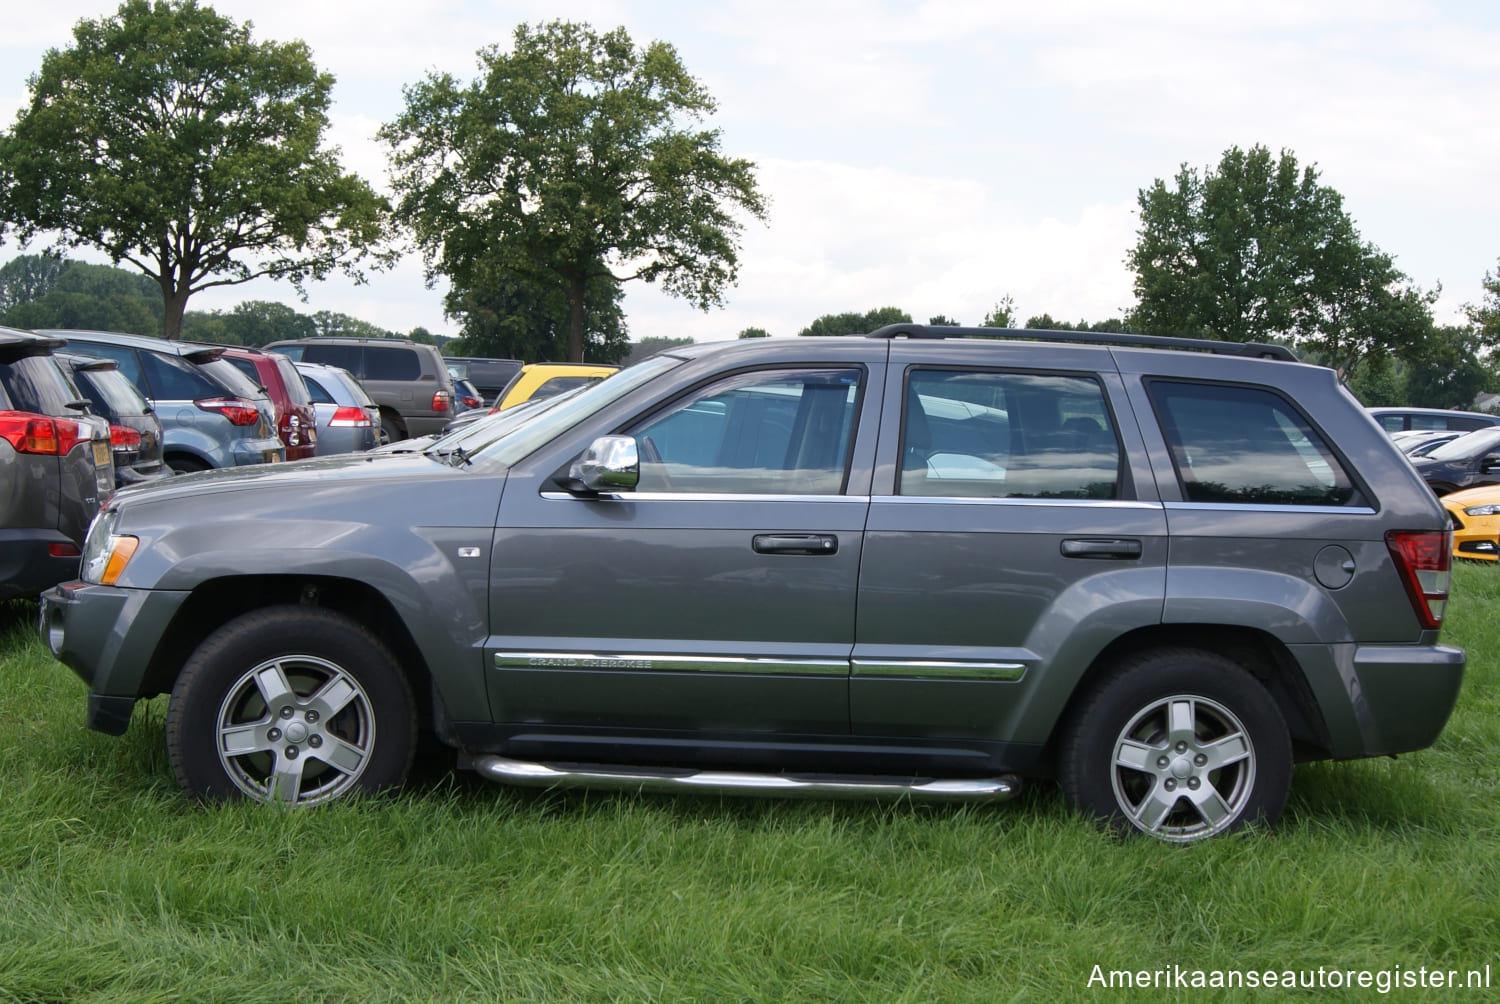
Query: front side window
(1246,445)
(768,432)
(1007,435)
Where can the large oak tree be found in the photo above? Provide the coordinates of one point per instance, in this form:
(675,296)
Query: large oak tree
(168,139)
(575,157)
(1260,250)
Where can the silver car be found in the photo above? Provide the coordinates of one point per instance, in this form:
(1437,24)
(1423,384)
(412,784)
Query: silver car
(348,421)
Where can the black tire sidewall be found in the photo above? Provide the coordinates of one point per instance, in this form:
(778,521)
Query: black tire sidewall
(226,654)
(1087,757)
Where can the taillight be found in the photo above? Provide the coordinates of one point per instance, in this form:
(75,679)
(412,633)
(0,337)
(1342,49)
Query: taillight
(470,402)
(124,440)
(1424,558)
(350,418)
(236,409)
(28,433)
(440,400)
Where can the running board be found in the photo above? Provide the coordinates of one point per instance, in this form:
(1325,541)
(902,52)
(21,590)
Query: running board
(666,779)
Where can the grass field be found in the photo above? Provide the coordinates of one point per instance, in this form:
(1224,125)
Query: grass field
(114,888)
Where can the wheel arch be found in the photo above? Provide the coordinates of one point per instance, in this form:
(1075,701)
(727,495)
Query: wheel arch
(216,602)
(1260,653)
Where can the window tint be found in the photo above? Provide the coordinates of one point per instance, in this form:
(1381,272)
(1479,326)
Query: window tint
(555,386)
(347,356)
(316,390)
(1007,435)
(37,385)
(174,379)
(130,364)
(389,362)
(296,388)
(1247,445)
(246,367)
(776,432)
(230,380)
(110,393)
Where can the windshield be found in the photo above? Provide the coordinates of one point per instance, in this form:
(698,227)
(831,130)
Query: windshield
(1466,446)
(565,411)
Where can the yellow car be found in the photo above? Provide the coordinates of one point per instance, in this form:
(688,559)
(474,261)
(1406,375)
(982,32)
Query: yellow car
(1476,522)
(538,380)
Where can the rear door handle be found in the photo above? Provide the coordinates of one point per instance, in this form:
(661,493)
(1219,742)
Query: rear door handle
(795,543)
(1101,547)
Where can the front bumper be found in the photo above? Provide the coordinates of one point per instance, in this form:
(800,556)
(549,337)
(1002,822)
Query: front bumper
(109,637)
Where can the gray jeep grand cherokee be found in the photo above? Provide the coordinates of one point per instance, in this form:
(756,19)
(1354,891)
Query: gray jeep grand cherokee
(917,562)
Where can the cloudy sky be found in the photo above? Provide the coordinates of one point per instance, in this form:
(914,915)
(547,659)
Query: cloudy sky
(939,156)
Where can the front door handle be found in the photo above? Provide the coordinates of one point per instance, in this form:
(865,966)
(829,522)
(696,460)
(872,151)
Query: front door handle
(1100,547)
(795,543)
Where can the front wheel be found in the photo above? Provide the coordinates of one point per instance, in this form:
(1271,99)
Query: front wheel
(290,704)
(1180,745)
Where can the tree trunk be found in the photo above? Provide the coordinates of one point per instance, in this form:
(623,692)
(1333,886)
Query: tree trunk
(576,286)
(175,303)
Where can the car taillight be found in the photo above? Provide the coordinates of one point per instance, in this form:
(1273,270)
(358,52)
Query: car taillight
(29,433)
(440,401)
(470,402)
(350,418)
(123,440)
(1424,558)
(236,409)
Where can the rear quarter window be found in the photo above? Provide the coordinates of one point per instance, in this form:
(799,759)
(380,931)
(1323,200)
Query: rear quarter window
(1246,445)
(391,363)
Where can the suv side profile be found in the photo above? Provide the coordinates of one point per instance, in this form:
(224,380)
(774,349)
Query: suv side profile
(408,380)
(920,563)
(211,414)
(55,467)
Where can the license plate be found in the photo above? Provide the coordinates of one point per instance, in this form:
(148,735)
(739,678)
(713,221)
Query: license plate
(101,455)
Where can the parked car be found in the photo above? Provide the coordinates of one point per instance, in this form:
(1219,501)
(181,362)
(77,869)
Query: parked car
(277,377)
(135,440)
(928,562)
(211,414)
(55,467)
(1476,522)
(488,375)
(466,396)
(546,379)
(1421,443)
(348,421)
(1469,461)
(408,380)
(1398,419)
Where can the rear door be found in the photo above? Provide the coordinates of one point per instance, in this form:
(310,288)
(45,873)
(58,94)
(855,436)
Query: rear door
(1007,536)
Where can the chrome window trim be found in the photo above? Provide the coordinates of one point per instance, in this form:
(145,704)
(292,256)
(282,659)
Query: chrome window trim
(555,496)
(1048,503)
(1311,510)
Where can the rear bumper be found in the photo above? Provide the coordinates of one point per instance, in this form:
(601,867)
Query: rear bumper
(1379,700)
(257,451)
(27,566)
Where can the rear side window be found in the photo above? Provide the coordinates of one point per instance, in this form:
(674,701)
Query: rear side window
(130,363)
(319,395)
(384,362)
(555,386)
(110,393)
(1007,435)
(347,356)
(1246,445)
(296,388)
(174,379)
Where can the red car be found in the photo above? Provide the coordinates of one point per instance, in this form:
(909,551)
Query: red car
(296,419)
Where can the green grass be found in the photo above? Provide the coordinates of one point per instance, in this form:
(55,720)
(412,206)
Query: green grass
(114,888)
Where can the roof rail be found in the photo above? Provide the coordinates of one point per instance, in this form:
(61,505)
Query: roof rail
(1258,350)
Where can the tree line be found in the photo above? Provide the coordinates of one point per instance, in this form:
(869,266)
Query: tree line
(169,139)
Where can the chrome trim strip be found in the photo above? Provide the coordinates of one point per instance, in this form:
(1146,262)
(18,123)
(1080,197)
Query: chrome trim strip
(1311,510)
(1048,503)
(929,668)
(539,775)
(653,663)
(555,496)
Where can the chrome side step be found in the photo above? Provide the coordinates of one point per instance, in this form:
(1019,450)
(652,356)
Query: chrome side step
(538,775)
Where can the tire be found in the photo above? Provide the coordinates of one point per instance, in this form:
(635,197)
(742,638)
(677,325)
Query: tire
(1225,762)
(180,464)
(290,704)
(395,430)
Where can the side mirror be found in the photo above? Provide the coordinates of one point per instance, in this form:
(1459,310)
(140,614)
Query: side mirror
(1490,463)
(610,464)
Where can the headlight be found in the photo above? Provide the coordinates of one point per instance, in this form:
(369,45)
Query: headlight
(106,553)
(1492,509)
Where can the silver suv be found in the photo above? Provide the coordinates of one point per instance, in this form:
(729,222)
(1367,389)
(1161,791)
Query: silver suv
(917,562)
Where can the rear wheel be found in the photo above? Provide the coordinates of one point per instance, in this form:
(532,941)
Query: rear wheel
(1179,744)
(394,428)
(290,704)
